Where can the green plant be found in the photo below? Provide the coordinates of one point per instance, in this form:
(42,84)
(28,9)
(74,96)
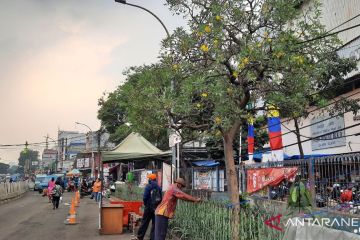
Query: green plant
(300,198)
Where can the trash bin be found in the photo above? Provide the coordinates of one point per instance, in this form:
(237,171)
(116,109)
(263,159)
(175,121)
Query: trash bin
(112,219)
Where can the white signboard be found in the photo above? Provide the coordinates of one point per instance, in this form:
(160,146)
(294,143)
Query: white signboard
(82,163)
(334,138)
(202,179)
(143,178)
(209,180)
(166,176)
(174,138)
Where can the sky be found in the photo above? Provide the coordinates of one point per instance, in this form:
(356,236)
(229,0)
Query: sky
(57,58)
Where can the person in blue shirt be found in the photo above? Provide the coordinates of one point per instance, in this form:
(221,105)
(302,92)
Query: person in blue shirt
(152,197)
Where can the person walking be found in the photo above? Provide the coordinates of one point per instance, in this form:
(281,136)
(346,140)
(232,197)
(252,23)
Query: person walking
(51,185)
(56,194)
(97,190)
(152,198)
(166,208)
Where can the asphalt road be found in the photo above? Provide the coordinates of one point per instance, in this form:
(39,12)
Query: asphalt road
(33,218)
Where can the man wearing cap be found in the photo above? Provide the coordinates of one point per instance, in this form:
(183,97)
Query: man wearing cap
(151,189)
(166,208)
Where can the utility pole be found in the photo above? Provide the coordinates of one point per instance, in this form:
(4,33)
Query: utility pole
(47,141)
(26,165)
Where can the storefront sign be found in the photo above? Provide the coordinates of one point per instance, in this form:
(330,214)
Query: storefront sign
(260,178)
(331,125)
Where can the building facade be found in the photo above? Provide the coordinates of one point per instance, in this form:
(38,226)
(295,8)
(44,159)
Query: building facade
(336,133)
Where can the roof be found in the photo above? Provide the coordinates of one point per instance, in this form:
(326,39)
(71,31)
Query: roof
(133,147)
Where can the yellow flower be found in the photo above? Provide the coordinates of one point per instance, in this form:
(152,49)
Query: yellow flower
(269,40)
(207,29)
(299,59)
(198,105)
(175,66)
(218,133)
(245,60)
(235,74)
(279,54)
(204,94)
(217,120)
(216,42)
(218,18)
(204,48)
(200,34)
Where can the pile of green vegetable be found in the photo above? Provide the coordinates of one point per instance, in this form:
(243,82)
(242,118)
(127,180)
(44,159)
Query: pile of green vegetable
(129,192)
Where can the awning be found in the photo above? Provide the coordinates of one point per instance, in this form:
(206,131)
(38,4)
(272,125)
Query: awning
(133,147)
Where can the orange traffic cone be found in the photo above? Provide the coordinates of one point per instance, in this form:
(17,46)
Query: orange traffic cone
(72,210)
(76,200)
(71,219)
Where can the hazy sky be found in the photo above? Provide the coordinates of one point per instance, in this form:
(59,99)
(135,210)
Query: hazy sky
(58,57)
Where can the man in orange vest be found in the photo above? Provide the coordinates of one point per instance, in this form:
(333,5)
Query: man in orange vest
(97,190)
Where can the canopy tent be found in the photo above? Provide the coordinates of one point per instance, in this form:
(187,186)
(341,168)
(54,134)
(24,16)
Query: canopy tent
(133,147)
(74,172)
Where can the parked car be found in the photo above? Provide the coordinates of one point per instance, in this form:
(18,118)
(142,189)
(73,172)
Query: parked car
(38,180)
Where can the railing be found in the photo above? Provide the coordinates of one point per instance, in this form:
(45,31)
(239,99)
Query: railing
(12,190)
(326,177)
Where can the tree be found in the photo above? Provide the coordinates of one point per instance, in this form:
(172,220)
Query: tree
(138,105)
(13,170)
(4,168)
(241,52)
(233,60)
(26,158)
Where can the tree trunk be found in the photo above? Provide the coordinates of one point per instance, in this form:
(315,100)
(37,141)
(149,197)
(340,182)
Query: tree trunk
(232,183)
(297,130)
(231,175)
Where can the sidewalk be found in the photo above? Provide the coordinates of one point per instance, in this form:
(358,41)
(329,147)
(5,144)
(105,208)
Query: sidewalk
(88,221)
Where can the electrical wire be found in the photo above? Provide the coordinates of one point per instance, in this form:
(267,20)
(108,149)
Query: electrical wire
(329,34)
(323,135)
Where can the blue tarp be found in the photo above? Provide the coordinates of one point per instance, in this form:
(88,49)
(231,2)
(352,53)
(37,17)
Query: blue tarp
(206,163)
(258,156)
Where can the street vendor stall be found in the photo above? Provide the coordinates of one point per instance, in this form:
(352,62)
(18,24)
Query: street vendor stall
(138,153)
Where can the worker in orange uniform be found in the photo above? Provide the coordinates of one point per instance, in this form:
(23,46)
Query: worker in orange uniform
(152,198)
(166,208)
(97,190)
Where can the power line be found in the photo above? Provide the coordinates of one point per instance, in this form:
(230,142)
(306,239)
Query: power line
(329,34)
(356,16)
(264,127)
(323,135)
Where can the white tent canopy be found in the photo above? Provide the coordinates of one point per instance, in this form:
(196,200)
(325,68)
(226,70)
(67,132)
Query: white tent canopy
(133,147)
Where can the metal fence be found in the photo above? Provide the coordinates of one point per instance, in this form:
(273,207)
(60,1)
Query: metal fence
(326,177)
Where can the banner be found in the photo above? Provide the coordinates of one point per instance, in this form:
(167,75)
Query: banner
(251,139)
(260,178)
(202,179)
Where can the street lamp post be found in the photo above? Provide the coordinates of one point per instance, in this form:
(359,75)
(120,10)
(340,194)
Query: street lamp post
(92,152)
(173,148)
(147,10)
